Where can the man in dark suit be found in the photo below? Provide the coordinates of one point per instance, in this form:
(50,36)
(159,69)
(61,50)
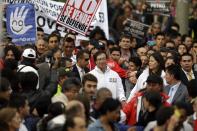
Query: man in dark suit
(187,73)
(176,90)
(80,68)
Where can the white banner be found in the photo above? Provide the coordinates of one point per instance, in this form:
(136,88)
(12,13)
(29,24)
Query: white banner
(47,12)
(2,27)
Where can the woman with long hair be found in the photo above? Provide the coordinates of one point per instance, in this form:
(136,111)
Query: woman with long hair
(155,66)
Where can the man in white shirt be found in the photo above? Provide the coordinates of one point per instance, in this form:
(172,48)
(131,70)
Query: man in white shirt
(107,77)
(28,63)
(176,90)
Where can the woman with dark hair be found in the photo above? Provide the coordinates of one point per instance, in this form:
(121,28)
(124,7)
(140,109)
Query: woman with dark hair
(12,52)
(155,66)
(152,101)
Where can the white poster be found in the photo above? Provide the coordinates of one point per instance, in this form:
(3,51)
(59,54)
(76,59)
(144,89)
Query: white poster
(47,12)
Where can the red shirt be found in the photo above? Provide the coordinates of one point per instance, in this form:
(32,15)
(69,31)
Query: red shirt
(116,67)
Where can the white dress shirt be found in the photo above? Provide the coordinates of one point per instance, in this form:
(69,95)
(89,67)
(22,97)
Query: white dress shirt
(81,72)
(172,92)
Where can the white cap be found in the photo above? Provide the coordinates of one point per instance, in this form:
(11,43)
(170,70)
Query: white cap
(29,53)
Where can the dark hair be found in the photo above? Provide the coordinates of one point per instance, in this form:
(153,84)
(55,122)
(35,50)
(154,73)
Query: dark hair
(70,83)
(164,114)
(4,84)
(4,126)
(68,39)
(14,49)
(174,35)
(89,77)
(17,101)
(110,42)
(174,70)
(80,54)
(97,30)
(186,54)
(136,61)
(184,37)
(40,29)
(54,110)
(175,59)
(175,54)
(154,98)
(11,64)
(28,80)
(109,105)
(159,34)
(114,49)
(127,36)
(192,88)
(158,57)
(99,53)
(53,35)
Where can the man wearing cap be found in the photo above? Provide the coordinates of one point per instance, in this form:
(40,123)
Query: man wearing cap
(134,107)
(28,62)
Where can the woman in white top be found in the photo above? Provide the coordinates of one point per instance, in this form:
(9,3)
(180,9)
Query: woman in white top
(155,66)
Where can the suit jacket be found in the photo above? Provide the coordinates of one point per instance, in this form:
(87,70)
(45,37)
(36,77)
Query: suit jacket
(180,95)
(76,71)
(184,77)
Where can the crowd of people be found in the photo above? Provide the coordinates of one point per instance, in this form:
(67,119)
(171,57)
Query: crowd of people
(116,84)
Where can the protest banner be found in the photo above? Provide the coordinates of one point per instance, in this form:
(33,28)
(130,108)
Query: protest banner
(20,24)
(136,29)
(47,12)
(2,26)
(159,7)
(77,15)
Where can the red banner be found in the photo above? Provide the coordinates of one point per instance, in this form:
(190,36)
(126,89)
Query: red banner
(77,15)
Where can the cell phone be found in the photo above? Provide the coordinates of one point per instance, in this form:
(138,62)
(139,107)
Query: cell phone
(151,43)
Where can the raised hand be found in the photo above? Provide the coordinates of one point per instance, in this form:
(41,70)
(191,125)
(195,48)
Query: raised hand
(17,21)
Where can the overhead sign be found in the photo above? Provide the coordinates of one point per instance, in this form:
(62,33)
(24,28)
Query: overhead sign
(136,29)
(2,23)
(20,24)
(78,14)
(160,7)
(47,12)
